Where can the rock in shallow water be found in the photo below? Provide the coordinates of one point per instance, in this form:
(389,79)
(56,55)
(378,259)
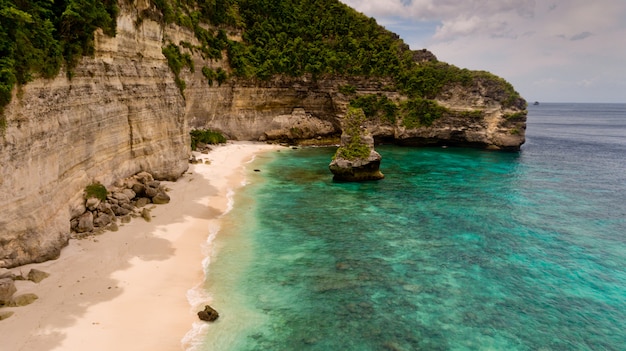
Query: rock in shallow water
(209,314)
(356,160)
(357,170)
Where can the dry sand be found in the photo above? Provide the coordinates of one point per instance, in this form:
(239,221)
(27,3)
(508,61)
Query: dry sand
(127,290)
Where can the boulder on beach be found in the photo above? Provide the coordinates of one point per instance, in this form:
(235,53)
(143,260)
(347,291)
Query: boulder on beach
(92,203)
(151,191)
(36,275)
(5,273)
(6,314)
(145,213)
(142,201)
(23,300)
(102,220)
(7,289)
(85,222)
(161,198)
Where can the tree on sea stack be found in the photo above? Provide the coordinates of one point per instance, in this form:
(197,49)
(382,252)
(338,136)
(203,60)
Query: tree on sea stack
(355,159)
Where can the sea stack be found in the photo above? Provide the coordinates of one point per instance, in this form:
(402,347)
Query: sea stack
(355,159)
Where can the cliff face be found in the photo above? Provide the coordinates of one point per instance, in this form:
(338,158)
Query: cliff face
(294,109)
(474,119)
(122,113)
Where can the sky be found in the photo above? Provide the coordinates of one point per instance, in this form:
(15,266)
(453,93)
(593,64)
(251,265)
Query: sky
(550,50)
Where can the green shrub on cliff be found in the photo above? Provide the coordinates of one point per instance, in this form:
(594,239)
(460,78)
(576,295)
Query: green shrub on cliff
(96,190)
(209,74)
(516,115)
(428,78)
(419,112)
(222,75)
(177,60)
(206,136)
(376,106)
(347,89)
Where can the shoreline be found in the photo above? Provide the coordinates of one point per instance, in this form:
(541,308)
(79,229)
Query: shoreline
(133,289)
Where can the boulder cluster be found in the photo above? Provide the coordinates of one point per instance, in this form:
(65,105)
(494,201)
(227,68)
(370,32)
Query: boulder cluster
(126,199)
(203,149)
(8,289)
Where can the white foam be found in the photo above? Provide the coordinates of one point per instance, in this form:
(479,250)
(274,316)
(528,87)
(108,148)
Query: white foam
(208,249)
(251,159)
(230,196)
(197,297)
(245,182)
(193,340)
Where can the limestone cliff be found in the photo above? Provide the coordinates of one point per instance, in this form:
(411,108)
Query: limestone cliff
(297,109)
(122,112)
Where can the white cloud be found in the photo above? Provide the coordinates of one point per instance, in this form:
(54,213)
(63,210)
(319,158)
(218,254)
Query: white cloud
(527,42)
(457,17)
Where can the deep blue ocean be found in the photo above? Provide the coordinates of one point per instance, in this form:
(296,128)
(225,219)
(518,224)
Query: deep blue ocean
(456,249)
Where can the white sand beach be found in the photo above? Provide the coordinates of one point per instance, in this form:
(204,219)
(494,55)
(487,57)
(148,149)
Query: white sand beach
(127,290)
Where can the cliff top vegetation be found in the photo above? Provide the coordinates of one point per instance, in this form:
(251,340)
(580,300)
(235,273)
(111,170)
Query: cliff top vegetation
(38,37)
(319,38)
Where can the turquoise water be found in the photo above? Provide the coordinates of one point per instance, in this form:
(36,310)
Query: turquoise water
(456,249)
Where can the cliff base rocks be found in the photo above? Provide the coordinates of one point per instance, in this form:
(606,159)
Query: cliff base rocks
(299,125)
(8,289)
(126,199)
